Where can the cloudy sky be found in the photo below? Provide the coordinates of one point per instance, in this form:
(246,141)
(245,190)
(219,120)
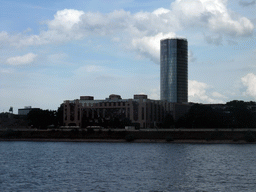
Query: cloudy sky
(59,50)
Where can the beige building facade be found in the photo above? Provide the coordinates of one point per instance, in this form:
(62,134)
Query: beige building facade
(141,111)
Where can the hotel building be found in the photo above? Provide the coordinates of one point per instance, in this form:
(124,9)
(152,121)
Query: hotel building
(174,70)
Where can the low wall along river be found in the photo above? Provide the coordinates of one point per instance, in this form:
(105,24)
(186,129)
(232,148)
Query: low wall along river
(248,135)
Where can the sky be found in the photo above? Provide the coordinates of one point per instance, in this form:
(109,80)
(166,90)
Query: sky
(51,51)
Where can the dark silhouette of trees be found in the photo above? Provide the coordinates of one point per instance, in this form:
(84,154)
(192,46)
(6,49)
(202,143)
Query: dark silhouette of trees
(234,114)
(240,115)
(168,121)
(42,118)
(202,116)
(59,116)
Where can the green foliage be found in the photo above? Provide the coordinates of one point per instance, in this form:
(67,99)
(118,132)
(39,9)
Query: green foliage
(240,114)
(216,135)
(202,116)
(235,139)
(168,121)
(73,133)
(249,136)
(169,138)
(129,138)
(59,115)
(42,118)
(233,114)
(10,134)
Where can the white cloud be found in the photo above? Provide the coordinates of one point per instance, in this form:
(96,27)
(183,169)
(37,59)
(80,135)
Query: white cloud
(149,46)
(197,93)
(5,71)
(93,68)
(22,60)
(81,71)
(57,57)
(191,57)
(218,95)
(139,31)
(161,11)
(249,81)
(116,39)
(211,14)
(66,19)
(246,3)
(214,40)
(154,93)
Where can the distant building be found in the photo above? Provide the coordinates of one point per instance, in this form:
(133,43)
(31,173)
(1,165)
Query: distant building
(174,70)
(144,112)
(140,110)
(25,110)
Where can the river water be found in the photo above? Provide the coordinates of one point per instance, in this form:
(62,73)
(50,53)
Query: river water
(153,167)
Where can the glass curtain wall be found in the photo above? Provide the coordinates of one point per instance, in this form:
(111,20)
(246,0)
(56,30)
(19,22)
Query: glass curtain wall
(174,70)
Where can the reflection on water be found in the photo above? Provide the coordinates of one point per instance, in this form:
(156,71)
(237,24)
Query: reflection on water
(71,166)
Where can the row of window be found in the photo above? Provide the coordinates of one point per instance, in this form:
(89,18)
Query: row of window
(110,104)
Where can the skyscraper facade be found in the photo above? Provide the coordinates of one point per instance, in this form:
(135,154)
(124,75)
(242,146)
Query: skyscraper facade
(174,70)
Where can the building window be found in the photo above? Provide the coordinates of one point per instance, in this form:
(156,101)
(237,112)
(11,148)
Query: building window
(135,111)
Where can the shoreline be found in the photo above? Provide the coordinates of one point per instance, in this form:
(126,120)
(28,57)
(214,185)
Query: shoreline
(207,136)
(135,141)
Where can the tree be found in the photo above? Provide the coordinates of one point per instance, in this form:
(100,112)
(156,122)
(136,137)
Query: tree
(59,115)
(202,116)
(168,121)
(41,118)
(240,114)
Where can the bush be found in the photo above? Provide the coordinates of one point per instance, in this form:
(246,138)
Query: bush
(9,133)
(169,138)
(129,138)
(235,139)
(249,137)
(216,135)
(73,133)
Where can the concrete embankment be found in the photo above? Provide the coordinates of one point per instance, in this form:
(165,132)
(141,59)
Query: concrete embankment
(171,135)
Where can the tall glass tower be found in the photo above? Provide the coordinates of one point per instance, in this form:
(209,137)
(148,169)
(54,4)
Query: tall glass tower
(174,70)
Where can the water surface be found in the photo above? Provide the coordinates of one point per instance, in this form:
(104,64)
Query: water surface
(78,166)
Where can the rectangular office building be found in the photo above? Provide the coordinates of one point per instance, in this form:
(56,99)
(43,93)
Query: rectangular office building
(140,110)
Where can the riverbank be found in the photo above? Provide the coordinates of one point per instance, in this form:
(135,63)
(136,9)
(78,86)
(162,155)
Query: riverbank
(134,141)
(121,135)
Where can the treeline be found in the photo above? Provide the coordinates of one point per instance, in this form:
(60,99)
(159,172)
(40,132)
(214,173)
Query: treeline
(39,118)
(233,114)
